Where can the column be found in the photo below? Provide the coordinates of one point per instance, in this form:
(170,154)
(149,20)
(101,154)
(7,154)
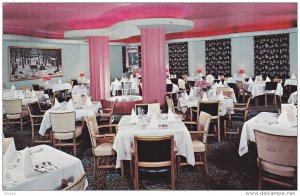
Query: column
(99,68)
(153,65)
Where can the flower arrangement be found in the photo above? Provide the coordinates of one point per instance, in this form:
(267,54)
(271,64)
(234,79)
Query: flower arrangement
(203,86)
(47,77)
(242,71)
(81,74)
(199,71)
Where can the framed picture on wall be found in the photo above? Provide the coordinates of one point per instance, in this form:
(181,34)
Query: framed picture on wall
(29,63)
(132,58)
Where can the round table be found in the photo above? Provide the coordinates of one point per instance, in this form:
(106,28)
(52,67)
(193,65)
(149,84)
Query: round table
(124,104)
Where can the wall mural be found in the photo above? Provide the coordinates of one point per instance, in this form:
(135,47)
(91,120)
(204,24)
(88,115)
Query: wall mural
(218,57)
(178,58)
(271,55)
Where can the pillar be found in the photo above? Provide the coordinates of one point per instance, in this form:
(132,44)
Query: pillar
(153,65)
(99,67)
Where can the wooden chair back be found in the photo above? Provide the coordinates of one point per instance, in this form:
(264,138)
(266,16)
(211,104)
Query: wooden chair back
(77,185)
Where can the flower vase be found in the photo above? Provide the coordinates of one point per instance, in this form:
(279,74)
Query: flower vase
(200,76)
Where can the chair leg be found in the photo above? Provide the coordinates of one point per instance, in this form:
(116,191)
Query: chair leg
(178,165)
(219,135)
(256,101)
(172,177)
(275,100)
(266,103)
(205,163)
(74,146)
(225,128)
(21,124)
(122,169)
(32,134)
(136,178)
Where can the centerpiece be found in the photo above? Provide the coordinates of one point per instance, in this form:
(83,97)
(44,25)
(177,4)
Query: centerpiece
(82,76)
(242,72)
(203,87)
(199,71)
(46,78)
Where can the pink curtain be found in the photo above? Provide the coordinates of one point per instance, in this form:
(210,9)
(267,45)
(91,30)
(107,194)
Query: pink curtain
(153,65)
(99,68)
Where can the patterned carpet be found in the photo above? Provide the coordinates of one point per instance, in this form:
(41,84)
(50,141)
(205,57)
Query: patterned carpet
(227,170)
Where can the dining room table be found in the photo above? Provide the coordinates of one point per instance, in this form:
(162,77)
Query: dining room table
(126,132)
(258,88)
(266,122)
(80,111)
(27,97)
(51,166)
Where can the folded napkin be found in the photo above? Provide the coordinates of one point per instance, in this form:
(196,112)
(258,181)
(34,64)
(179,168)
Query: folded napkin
(221,96)
(13,87)
(268,79)
(9,149)
(88,101)
(283,120)
(204,98)
(154,122)
(185,96)
(171,116)
(22,96)
(168,81)
(133,117)
(122,79)
(70,104)
(191,93)
(250,81)
(59,81)
(293,77)
(291,112)
(26,164)
(220,84)
(116,80)
(234,75)
(56,104)
(33,94)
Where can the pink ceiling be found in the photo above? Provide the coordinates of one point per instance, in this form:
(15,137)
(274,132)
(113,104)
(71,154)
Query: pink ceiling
(53,19)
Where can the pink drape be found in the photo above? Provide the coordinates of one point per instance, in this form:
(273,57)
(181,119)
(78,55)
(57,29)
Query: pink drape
(99,68)
(153,65)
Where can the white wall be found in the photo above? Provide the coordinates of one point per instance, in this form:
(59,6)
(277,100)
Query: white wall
(116,64)
(196,56)
(294,53)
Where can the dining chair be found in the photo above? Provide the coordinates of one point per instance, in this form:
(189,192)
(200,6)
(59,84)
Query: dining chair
(36,116)
(74,82)
(174,109)
(239,112)
(64,130)
(153,154)
(14,113)
(105,116)
(211,107)
(102,144)
(241,91)
(76,185)
(199,139)
(270,89)
(277,159)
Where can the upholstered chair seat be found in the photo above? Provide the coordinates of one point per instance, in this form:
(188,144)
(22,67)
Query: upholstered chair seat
(198,146)
(69,135)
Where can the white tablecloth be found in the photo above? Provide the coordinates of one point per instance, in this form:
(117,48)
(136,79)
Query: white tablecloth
(265,122)
(183,104)
(9,94)
(293,98)
(80,112)
(59,87)
(68,167)
(234,79)
(291,82)
(257,89)
(126,133)
(82,90)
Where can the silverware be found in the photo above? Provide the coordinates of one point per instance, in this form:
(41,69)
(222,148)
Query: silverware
(9,178)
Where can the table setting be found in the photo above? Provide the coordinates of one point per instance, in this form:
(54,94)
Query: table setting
(33,169)
(284,123)
(152,124)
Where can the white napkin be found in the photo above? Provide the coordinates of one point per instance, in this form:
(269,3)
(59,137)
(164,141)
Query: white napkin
(59,81)
(268,79)
(26,164)
(221,96)
(191,93)
(13,87)
(70,104)
(168,81)
(220,84)
(186,97)
(88,101)
(33,94)
(171,116)
(56,104)
(22,96)
(122,80)
(154,122)
(293,77)
(204,98)
(10,153)
(283,120)
(116,80)
(133,117)
(234,75)
(250,81)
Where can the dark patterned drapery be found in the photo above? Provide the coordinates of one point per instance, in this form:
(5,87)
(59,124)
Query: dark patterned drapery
(124,59)
(178,58)
(271,56)
(218,57)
